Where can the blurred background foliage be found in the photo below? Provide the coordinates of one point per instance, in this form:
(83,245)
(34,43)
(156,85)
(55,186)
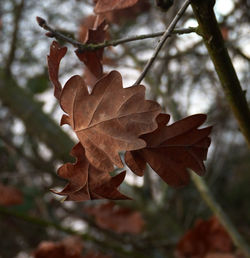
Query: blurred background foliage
(182,80)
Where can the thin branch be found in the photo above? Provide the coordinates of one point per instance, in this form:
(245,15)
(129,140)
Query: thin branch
(86,237)
(11,56)
(220,214)
(162,41)
(56,34)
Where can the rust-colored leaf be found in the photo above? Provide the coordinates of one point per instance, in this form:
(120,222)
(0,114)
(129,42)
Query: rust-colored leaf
(10,196)
(54,59)
(70,247)
(97,34)
(128,14)
(86,182)
(119,219)
(205,238)
(103,6)
(172,149)
(108,120)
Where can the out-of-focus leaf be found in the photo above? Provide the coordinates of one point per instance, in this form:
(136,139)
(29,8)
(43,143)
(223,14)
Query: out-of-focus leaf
(205,238)
(10,195)
(103,6)
(118,219)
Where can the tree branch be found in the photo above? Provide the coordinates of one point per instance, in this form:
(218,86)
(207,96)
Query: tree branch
(86,237)
(220,214)
(11,56)
(82,47)
(37,123)
(162,41)
(210,31)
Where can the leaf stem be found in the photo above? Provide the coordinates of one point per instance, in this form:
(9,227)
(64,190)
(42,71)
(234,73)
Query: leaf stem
(82,47)
(162,41)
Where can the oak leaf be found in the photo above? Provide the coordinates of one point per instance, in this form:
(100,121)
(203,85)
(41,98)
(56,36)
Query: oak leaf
(118,219)
(86,182)
(103,6)
(54,58)
(172,149)
(204,238)
(108,120)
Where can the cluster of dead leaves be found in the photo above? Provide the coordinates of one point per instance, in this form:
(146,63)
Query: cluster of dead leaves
(124,220)
(109,119)
(208,239)
(71,247)
(10,196)
(94,29)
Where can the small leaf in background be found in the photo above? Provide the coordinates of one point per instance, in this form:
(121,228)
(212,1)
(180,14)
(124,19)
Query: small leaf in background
(205,238)
(54,58)
(172,149)
(103,6)
(118,219)
(70,247)
(108,120)
(10,196)
(86,182)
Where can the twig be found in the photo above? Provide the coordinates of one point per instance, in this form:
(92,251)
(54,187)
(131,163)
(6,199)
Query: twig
(220,214)
(163,39)
(11,56)
(45,223)
(56,34)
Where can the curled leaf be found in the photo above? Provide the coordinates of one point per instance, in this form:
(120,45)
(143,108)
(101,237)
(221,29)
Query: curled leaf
(108,120)
(86,182)
(54,58)
(172,149)
(93,58)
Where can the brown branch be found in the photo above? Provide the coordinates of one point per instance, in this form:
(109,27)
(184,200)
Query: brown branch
(56,34)
(210,31)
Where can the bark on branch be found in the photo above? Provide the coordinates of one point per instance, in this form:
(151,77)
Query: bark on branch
(210,31)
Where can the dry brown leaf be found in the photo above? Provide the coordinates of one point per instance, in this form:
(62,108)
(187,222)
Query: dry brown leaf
(54,59)
(128,14)
(172,149)
(10,196)
(103,6)
(119,219)
(205,238)
(108,120)
(97,34)
(86,182)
